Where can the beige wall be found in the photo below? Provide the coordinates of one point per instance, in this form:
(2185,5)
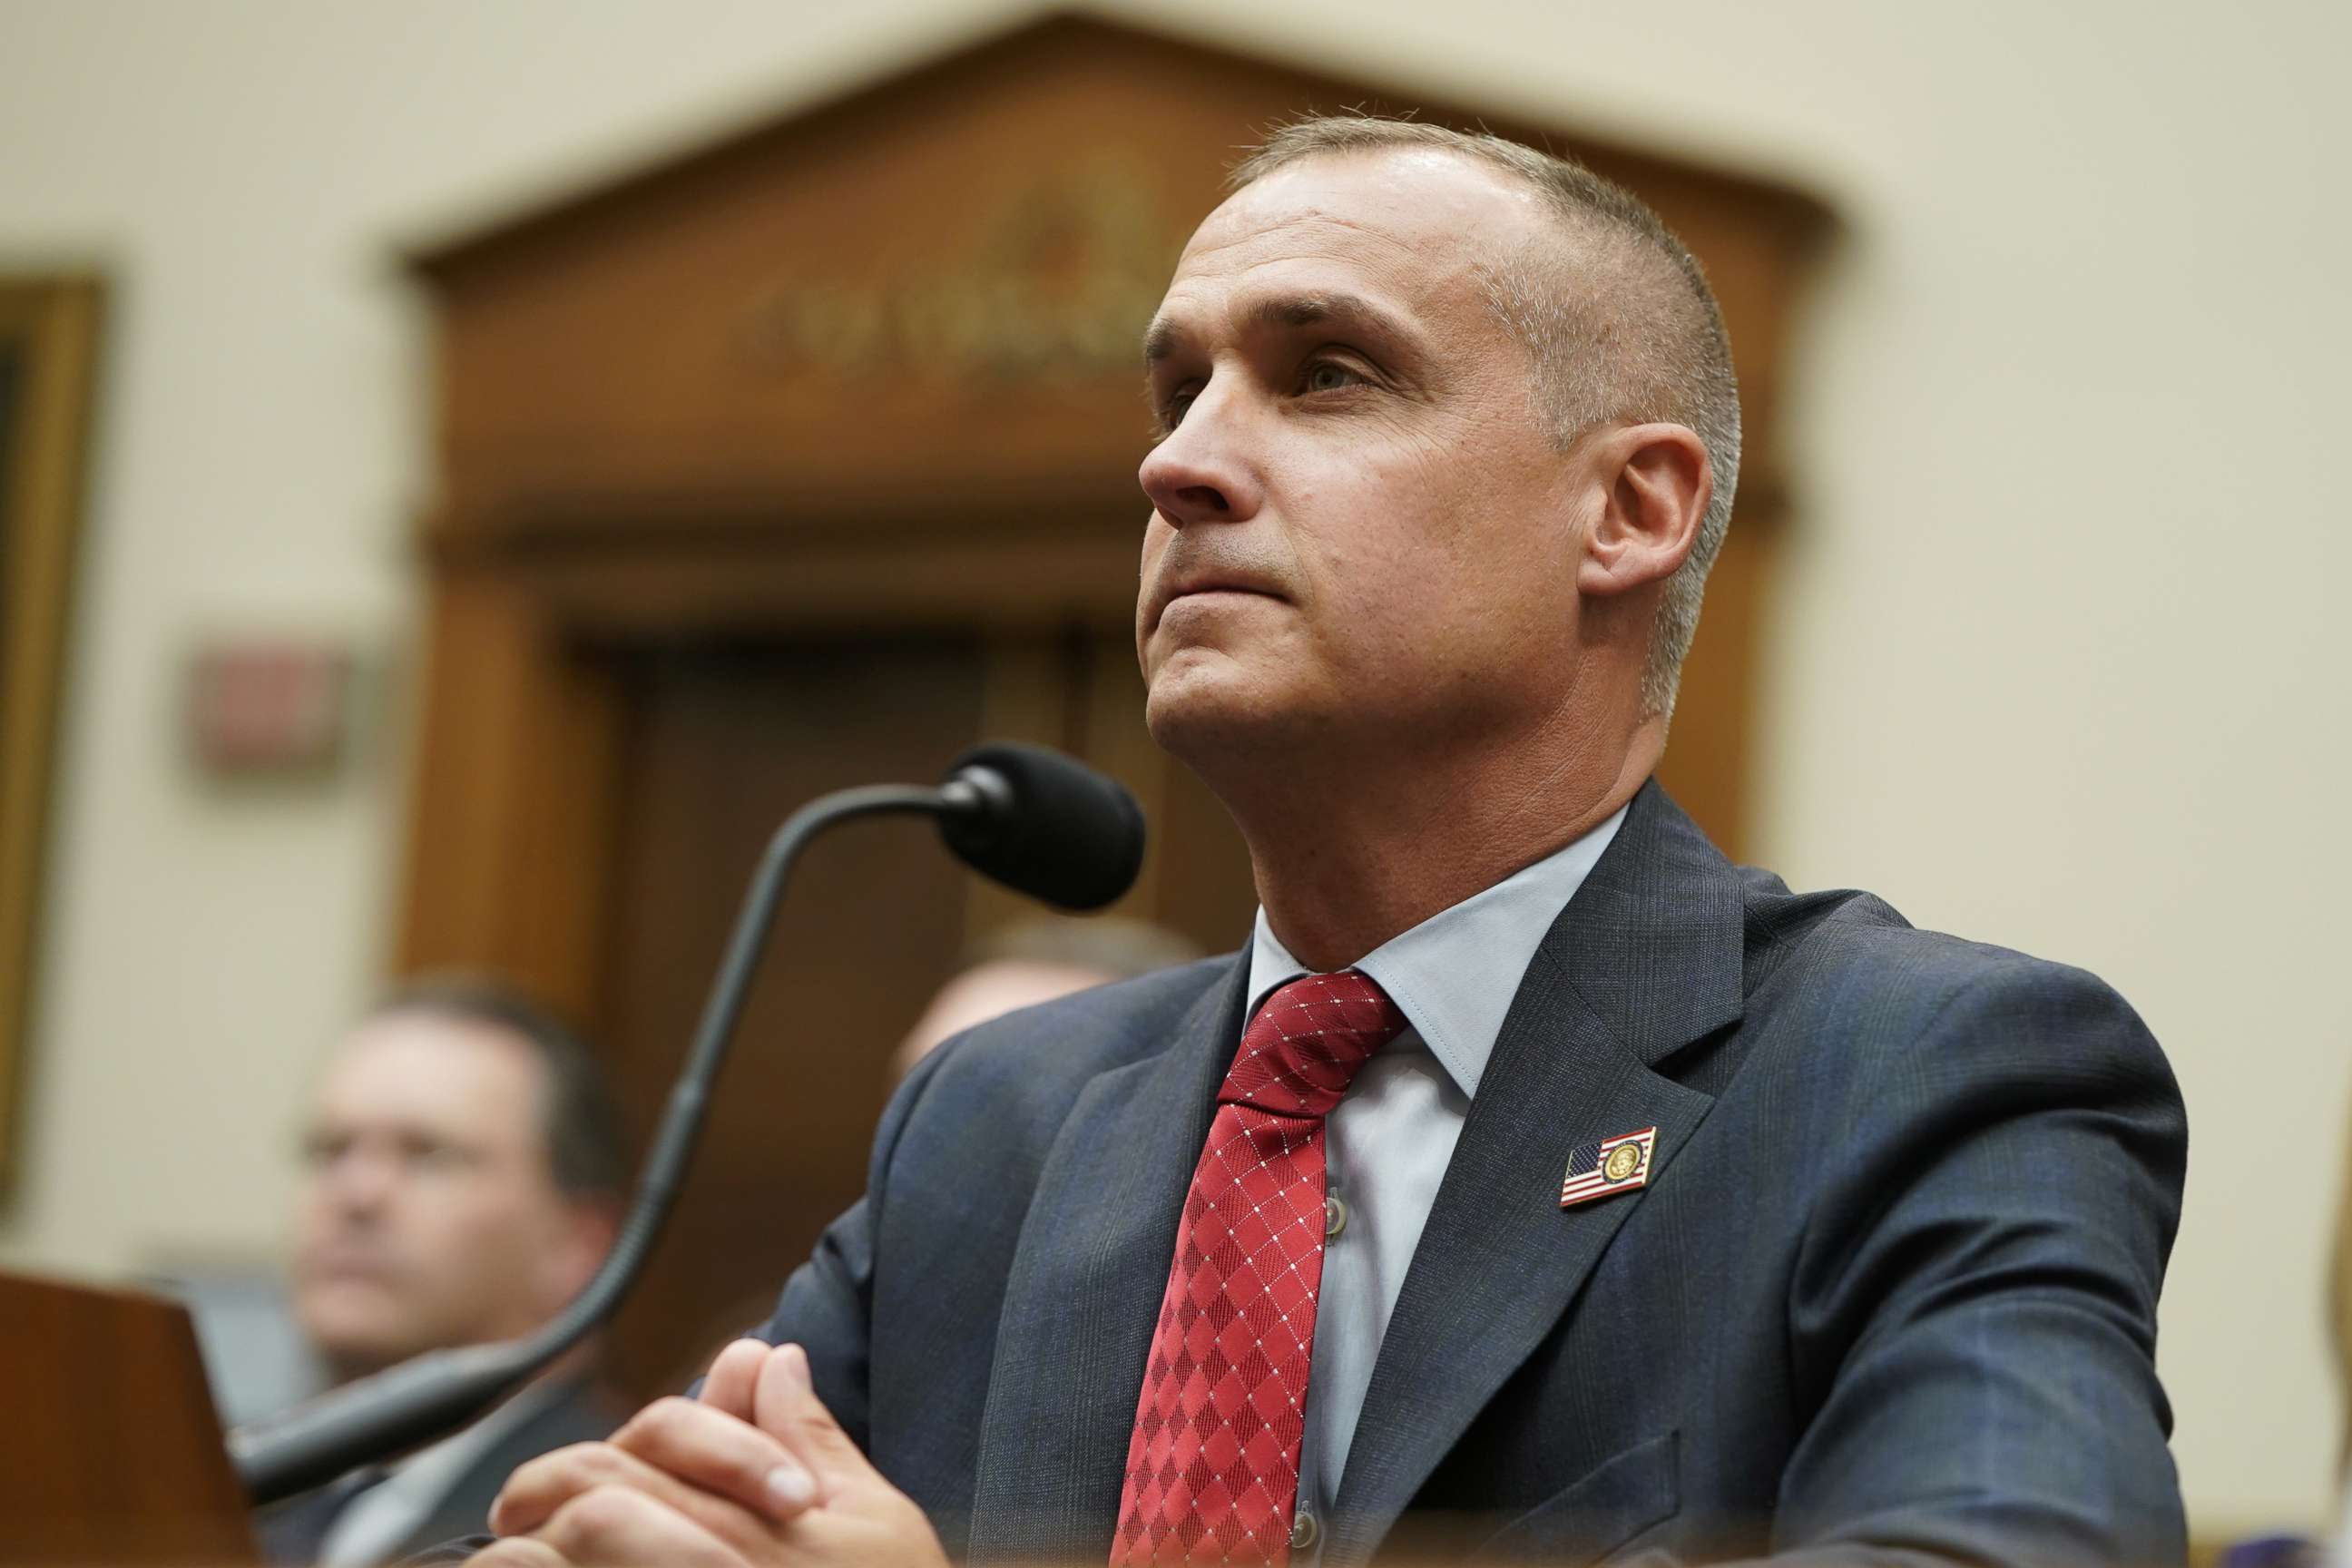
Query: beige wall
(2055,667)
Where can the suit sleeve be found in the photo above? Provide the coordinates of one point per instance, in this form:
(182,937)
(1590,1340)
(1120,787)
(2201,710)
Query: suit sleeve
(827,1305)
(1974,1300)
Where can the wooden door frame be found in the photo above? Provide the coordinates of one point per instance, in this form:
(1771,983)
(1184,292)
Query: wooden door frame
(52,322)
(517,802)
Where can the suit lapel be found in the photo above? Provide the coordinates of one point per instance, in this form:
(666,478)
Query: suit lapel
(1646,959)
(1085,1291)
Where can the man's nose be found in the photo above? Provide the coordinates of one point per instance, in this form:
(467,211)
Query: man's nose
(1199,472)
(360,1181)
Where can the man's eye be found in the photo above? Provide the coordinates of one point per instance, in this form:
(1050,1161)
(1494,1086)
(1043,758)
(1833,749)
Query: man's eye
(1171,413)
(430,1154)
(1330,375)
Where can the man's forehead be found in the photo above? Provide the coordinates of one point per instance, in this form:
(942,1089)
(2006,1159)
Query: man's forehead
(1406,229)
(416,1064)
(1369,201)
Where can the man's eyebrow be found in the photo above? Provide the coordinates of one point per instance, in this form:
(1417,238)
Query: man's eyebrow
(1290,313)
(1159,341)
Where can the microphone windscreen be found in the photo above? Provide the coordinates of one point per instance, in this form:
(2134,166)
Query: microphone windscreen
(1049,826)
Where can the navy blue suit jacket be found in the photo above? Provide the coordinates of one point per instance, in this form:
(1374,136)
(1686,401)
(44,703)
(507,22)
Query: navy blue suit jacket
(1890,1291)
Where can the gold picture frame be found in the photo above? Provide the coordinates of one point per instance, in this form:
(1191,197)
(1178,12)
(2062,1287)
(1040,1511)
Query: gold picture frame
(48,353)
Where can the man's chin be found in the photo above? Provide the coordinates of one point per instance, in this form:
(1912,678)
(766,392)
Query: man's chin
(1208,714)
(354,1339)
(353,1356)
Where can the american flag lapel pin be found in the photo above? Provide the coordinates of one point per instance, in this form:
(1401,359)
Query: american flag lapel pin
(1604,1170)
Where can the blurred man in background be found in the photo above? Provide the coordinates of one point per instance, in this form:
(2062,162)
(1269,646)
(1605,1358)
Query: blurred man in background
(2339,1324)
(1038,960)
(464,1181)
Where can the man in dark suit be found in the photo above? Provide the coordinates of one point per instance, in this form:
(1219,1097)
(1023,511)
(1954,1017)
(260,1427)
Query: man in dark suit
(384,1513)
(1536,1183)
(463,1165)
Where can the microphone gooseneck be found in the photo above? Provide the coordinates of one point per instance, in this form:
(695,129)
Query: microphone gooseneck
(1035,820)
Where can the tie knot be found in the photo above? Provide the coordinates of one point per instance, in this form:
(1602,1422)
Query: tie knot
(1302,1050)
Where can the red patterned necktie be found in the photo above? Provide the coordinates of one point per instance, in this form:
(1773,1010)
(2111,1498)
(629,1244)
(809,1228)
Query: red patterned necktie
(1213,1467)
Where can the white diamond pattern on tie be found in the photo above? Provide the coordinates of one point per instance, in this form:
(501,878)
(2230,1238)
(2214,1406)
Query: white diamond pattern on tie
(1212,1465)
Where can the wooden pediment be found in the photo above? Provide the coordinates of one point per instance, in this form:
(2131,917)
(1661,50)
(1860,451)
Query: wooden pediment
(915,311)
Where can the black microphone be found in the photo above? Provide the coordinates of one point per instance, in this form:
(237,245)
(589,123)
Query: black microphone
(1037,821)
(1044,825)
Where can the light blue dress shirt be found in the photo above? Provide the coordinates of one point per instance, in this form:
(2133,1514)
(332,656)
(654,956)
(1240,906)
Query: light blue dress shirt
(1388,1141)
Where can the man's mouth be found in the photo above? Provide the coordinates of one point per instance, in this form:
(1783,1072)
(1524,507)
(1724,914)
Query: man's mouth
(342,1267)
(1206,587)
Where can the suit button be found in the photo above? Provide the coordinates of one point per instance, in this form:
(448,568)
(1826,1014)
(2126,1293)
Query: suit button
(1335,1217)
(1303,1531)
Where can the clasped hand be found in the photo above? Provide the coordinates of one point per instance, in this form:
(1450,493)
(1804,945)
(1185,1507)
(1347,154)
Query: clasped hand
(755,1471)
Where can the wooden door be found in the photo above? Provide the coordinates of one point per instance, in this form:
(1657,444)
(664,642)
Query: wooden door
(719,740)
(725,740)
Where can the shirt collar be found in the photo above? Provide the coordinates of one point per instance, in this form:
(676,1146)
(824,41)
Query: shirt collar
(1454,975)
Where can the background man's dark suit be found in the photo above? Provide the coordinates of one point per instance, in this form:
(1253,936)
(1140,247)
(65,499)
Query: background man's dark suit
(294,1531)
(1892,1282)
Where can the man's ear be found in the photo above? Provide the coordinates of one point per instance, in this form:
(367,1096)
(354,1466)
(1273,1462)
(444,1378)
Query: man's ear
(1659,482)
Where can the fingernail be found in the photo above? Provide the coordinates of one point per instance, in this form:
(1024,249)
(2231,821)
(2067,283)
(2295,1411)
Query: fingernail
(790,1487)
(796,1363)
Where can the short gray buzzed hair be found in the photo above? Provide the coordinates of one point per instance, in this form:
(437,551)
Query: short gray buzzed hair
(1620,323)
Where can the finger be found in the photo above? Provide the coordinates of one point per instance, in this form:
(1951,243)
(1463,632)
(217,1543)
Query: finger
(734,1376)
(618,1526)
(786,1405)
(521,1553)
(707,1448)
(539,1490)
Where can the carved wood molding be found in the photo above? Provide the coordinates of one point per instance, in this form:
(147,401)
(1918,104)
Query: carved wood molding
(49,350)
